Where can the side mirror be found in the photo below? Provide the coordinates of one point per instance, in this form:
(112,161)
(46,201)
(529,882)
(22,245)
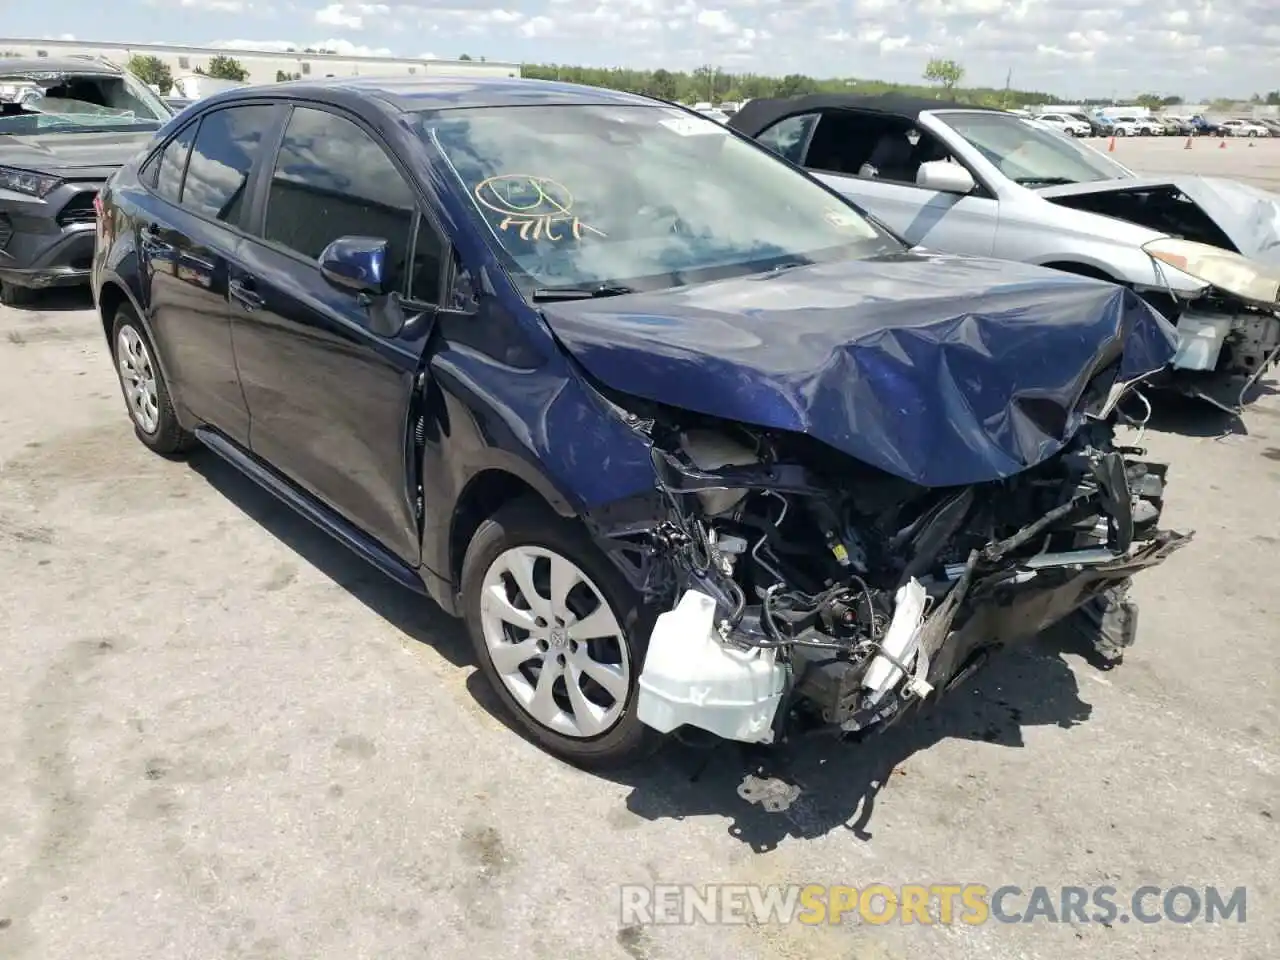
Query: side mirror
(945,177)
(357,264)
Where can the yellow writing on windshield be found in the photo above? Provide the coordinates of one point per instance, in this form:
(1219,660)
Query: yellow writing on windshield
(539,208)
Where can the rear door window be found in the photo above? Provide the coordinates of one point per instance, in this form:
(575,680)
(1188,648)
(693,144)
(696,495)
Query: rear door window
(789,137)
(228,142)
(173,163)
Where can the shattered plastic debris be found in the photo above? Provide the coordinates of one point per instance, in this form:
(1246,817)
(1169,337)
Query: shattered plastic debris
(776,796)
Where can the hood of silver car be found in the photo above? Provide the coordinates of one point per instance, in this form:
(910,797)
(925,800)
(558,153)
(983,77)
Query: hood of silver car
(1248,215)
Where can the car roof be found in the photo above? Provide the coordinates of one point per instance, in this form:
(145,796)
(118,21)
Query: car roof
(417,94)
(759,114)
(18,65)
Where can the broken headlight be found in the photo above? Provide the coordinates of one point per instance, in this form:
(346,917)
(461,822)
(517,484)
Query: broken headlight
(1223,269)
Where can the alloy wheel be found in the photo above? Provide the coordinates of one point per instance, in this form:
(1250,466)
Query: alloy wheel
(138,377)
(555,642)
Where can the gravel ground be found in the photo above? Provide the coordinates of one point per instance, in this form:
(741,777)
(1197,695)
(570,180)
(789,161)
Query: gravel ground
(230,739)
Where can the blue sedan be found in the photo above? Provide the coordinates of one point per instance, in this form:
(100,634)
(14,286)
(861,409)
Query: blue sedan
(689,441)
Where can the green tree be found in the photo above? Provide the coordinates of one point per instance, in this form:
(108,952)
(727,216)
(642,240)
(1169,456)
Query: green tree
(795,85)
(227,68)
(465,56)
(947,73)
(663,85)
(1273,98)
(151,70)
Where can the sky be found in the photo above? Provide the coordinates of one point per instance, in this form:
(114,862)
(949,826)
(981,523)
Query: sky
(1073,48)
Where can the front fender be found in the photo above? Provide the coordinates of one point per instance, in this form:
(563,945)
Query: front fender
(544,427)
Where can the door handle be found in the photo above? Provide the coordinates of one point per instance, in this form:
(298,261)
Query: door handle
(151,242)
(242,294)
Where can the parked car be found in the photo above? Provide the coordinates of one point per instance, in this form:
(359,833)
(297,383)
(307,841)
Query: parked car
(1204,127)
(1178,126)
(684,438)
(1066,124)
(1244,128)
(1273,126)
(178,104)
(65,126)
(1127,125)
(965,179)
(1096,127)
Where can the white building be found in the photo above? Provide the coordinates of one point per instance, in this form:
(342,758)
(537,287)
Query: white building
(263,67)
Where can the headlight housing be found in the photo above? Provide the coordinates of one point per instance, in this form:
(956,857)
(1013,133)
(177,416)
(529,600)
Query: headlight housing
(27,181)
(1221,268)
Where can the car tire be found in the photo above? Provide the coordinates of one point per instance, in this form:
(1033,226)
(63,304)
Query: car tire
(527,534)
(1253,133)
(146,395)
(1120,132)
(12,295)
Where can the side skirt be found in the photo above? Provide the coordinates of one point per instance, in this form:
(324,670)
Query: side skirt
(308,506)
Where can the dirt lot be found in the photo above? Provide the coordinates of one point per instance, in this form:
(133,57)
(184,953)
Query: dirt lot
(227,738)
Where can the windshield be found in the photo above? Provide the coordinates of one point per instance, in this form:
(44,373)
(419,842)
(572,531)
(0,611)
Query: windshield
(68,103)
(1028,155)
(644,197)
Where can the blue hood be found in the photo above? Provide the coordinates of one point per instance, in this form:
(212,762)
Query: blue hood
(941,370)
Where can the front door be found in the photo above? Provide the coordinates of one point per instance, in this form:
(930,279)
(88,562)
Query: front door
(329,399)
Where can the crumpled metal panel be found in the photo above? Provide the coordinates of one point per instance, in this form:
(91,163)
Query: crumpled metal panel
(940,370)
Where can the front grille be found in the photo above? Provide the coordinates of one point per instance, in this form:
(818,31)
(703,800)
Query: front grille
(79,209)
(6,230)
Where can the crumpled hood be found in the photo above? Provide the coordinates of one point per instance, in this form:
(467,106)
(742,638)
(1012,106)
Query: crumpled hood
(941,370)
(88,156)
(1249,216)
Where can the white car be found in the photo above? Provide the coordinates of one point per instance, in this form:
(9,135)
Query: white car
(1130,126)
(1244,128)
(1066,124)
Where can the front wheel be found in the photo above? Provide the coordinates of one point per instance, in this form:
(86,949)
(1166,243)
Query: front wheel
(1253,133)
(559,635)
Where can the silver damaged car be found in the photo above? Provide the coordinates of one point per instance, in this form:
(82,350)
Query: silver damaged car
(961,179)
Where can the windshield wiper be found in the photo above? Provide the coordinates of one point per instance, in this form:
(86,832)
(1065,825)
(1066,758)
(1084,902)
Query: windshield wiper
(544,294)
(1044,181)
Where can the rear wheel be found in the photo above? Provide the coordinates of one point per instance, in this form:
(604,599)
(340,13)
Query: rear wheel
(559,635)
(146,394)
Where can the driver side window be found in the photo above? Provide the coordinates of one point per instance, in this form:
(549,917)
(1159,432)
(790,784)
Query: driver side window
(872,146)
(331,180)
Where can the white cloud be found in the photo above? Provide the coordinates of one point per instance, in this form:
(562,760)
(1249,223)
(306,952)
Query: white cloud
(1070,47)
(336,15)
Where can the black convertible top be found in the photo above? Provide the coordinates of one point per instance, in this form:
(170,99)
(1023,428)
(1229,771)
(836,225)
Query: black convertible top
(756,116)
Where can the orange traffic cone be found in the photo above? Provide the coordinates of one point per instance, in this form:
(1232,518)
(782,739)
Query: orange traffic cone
(1222,144)
(1111,147)
(1187,146)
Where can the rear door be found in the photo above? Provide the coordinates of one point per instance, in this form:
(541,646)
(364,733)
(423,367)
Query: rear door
(189,233)
(330,400)
(873,159)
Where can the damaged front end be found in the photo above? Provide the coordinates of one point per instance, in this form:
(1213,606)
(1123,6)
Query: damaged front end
(803,588)
(1233,329)
(1222,234)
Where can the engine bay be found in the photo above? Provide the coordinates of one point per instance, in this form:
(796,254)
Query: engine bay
(849,582)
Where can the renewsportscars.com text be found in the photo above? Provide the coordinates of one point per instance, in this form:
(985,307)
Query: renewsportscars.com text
(969,904)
